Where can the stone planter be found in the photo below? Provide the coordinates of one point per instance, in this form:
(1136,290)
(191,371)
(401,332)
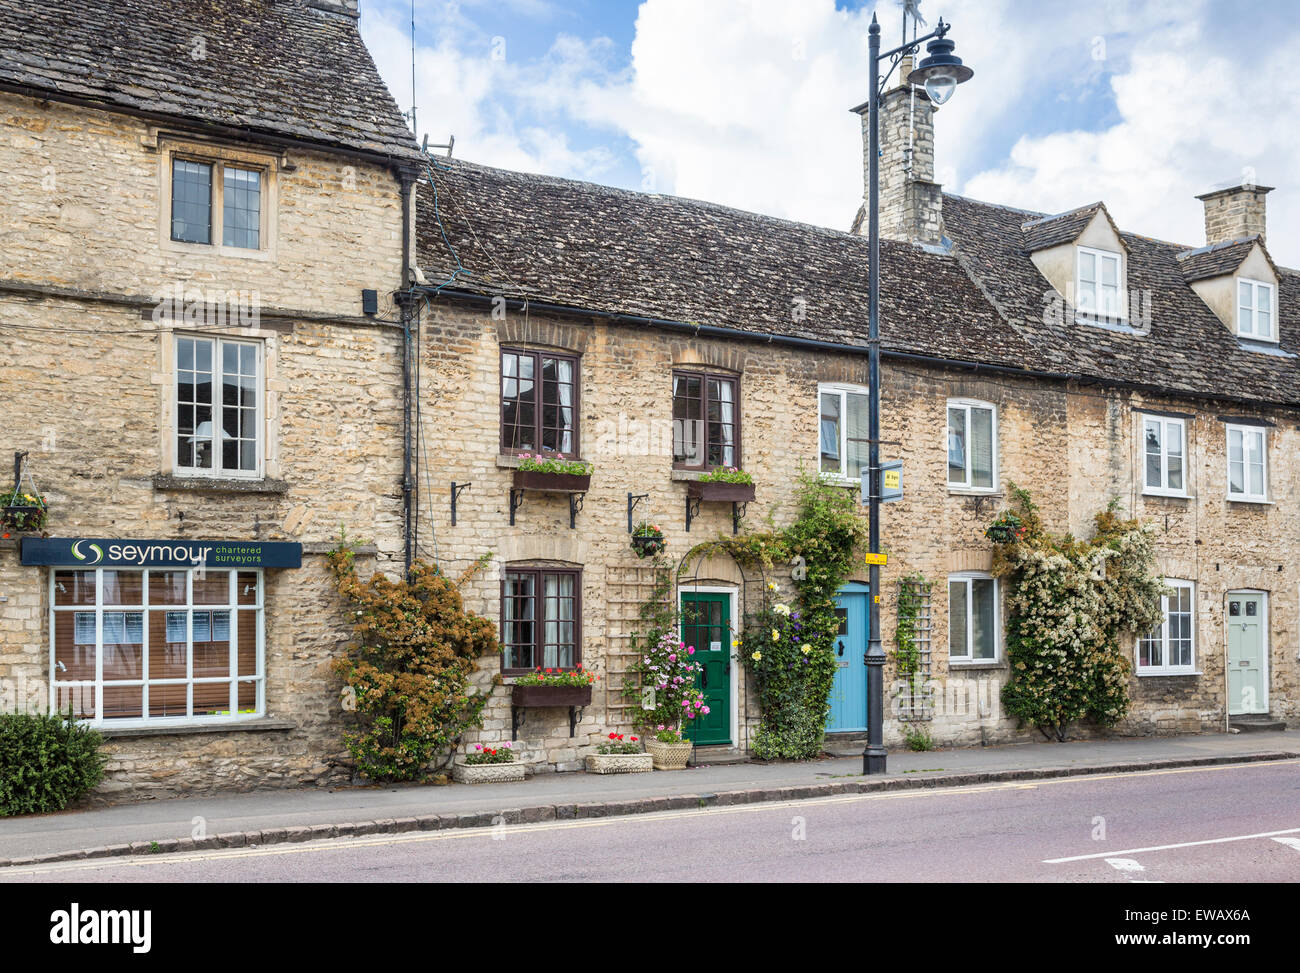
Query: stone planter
(619,763)
(551,482)
(718,490)
(669,756)
(486,773)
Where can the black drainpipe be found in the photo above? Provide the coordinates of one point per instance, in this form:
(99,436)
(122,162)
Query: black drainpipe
(405,301)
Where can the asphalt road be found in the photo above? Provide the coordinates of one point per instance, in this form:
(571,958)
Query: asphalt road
(1237,823)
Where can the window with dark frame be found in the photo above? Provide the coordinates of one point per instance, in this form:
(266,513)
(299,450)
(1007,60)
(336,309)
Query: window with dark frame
(539,403)
(541,611)
(216,202)
(706,421)
(191,201)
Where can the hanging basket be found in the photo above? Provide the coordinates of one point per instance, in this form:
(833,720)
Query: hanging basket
(24,517)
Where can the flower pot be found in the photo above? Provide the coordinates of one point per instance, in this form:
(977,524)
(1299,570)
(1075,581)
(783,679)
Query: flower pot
(551,482)
(619,763)
(486,773)
(669,756)
(538,696)
(721,491)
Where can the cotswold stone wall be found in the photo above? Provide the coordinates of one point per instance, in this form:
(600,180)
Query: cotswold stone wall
(86,197)
(1074,448)
(87,374)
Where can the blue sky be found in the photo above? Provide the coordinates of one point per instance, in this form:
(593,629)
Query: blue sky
(745,102)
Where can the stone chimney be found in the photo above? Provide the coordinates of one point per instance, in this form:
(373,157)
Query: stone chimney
(349,8)
(1231,214)
(911,202)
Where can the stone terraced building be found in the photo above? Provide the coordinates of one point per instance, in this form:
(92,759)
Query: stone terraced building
(185,197)
(194,204)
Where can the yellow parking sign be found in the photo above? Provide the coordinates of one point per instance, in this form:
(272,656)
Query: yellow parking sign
(877,558)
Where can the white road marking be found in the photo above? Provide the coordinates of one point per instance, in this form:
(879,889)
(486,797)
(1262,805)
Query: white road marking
(1290,842)
(1124,865)
(1181,844)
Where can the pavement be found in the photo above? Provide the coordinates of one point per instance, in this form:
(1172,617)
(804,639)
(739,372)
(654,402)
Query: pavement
(309,814)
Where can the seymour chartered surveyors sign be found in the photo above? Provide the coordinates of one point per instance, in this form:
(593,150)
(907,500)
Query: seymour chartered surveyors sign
(97,552)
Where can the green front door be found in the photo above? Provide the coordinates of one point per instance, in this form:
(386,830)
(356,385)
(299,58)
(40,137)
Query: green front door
(706,625)
(1247,686)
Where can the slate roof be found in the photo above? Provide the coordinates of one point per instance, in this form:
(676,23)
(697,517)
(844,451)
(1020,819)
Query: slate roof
(609,250)
(1187,349)
(1049,231)
(275,67)
(1219,259)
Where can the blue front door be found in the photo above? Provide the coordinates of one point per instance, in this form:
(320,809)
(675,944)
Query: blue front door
(849,693)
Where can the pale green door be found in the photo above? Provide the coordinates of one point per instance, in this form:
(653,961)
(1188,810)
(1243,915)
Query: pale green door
(1247,676)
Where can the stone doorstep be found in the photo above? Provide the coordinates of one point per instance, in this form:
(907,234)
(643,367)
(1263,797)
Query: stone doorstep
(601,809)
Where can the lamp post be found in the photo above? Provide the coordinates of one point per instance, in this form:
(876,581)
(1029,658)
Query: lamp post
(940,73)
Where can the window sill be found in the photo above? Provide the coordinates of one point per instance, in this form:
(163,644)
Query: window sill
(214,484)
(1158,495)
(1149,673)
(686,476)
(957,666)
(1252,501)
(260,725)
(975,492)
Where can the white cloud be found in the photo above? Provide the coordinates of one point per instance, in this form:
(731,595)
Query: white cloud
(745,102)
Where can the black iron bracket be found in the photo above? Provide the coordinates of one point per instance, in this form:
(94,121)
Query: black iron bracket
(575,714)
(632,500)
(516,501)
(978,503)
(516,717)
(738,510)
(576,500)
(456,490)
(692,511)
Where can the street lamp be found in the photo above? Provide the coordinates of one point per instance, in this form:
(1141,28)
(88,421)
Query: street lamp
(940,73)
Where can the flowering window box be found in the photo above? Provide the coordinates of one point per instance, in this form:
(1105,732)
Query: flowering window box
(542,482)
(540,693)
(720,490)
(541,696)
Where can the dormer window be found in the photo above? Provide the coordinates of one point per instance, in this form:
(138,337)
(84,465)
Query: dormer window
(1256,312)
(1098,287)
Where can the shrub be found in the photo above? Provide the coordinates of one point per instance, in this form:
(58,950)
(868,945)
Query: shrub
(793,671)
(1069,605)
(46,762)
(409,668)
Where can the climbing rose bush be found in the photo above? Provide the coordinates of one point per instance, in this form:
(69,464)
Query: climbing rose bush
(792,668)
(668,667)
(1072,606)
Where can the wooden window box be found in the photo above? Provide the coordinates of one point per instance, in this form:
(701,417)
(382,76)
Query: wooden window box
(551,482)
(718,490)
(540,697)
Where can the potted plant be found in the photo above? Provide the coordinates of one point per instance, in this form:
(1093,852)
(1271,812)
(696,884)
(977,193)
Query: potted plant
(23,510)
(488,765)
(553,687)
(647,540)
(619,755)
(727,483)
(1007,529)
(552,474)
(668,749)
